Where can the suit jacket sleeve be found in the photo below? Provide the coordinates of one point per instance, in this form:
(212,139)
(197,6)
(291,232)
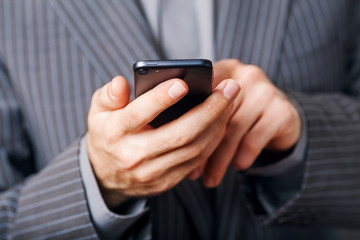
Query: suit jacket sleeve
(324,188)
(51,203)
(109,224)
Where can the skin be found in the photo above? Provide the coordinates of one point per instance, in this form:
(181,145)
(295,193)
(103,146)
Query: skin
(232,127)
(262,118)
(131,159)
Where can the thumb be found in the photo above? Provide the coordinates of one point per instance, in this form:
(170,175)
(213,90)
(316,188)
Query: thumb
(112,96)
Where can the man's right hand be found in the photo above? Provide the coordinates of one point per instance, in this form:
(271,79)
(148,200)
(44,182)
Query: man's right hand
(132,159)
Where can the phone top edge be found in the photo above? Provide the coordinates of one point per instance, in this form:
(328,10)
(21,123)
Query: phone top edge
(172,63)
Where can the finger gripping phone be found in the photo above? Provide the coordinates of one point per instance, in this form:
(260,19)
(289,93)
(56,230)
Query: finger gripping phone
(197,73)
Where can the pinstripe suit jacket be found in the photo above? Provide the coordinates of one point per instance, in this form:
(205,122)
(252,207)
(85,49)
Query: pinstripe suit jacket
(55,53)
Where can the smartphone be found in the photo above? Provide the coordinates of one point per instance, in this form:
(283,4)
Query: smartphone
(197,73)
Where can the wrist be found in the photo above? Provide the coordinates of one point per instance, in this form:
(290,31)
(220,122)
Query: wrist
(113,198)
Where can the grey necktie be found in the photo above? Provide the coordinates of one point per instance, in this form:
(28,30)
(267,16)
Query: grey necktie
(178,29)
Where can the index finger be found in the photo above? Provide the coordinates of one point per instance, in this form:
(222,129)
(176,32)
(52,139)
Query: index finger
(146,107)
(189,126)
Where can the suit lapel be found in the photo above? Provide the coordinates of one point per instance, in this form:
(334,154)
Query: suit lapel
(111,34)
(252,31)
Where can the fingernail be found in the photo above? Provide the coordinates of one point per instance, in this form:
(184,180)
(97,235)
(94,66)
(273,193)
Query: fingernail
(110,90)
(231,90)
(176,91)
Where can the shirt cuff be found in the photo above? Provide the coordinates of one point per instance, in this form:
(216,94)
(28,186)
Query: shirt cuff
(295,158)
(108,224)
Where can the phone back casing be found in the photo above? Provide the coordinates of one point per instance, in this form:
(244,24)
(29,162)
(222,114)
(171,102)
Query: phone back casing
(198,74)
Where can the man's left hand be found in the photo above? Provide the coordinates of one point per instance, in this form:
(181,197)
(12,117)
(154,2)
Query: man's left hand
(263,117)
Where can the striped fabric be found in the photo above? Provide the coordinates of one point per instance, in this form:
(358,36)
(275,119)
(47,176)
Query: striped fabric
(55,53)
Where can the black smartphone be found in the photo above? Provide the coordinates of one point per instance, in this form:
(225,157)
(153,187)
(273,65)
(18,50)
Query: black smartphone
(197,73)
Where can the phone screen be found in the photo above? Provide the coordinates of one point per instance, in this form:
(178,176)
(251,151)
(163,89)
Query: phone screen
(197,73)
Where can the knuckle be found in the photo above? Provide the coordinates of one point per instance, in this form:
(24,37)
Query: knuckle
(143,178)
(290,115)
(194,150)
(254,72)
(133,116)
(292,111)
(287,109)
(107,146)
(181,139)
(95,96)
(243,165)
(125,164)
(161,186)
(158,100)
(264,93)
(110,137)
(251,147)
(156,142)
(146,178)
(128,158)
(233,62)
(137,156)
(267,89)
(213,110)
(95,102)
